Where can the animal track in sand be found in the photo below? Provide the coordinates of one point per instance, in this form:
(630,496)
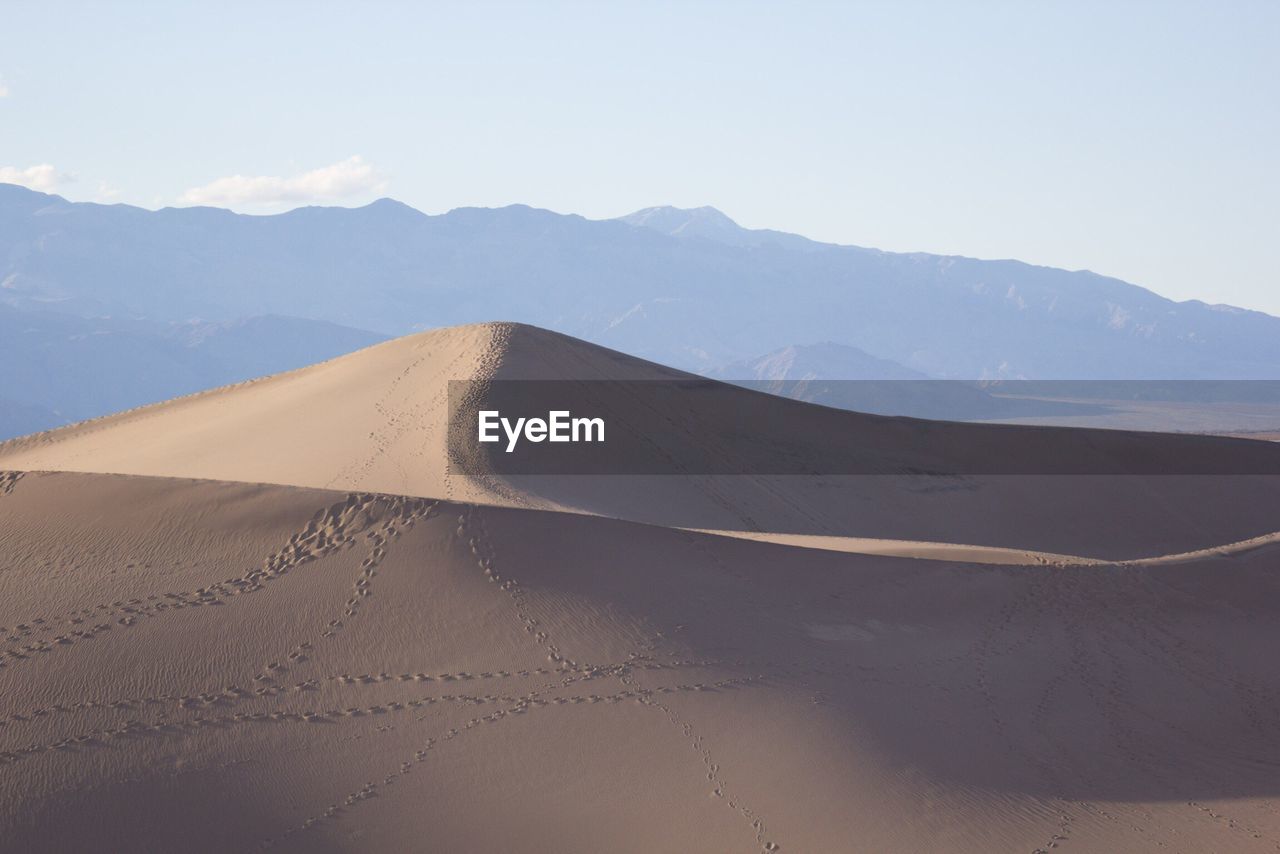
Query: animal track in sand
(8,480)
(233,695)
(330,529)
(696,741)
(396,422)
(167,726)
(1061,835)
(471,529)
(400,516)
(514,706)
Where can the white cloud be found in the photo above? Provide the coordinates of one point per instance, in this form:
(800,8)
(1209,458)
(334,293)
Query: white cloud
(4,90)
(43,177)
(346,178)
(105,193)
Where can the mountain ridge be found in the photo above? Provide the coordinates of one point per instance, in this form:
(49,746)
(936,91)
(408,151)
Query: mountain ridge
(688,301)
(58,368)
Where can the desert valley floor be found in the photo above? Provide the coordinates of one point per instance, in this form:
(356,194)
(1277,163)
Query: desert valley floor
(269,618)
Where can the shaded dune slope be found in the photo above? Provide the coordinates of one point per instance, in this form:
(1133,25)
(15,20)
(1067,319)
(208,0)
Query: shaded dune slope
(330,671)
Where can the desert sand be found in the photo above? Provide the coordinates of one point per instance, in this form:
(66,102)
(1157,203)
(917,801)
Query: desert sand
(268,617)
(376,421)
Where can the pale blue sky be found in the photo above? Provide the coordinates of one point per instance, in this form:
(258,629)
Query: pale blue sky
(1135,139)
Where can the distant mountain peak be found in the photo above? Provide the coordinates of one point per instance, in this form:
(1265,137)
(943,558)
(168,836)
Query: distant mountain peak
(705,222)
(672,219)
(389,204)
(711,224)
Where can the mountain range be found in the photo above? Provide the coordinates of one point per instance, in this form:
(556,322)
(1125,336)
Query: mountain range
(686,288)
(58,368)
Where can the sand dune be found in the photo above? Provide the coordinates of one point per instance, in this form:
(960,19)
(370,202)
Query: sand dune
(376,420)
(207,666)
(269,618)
(964,553)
